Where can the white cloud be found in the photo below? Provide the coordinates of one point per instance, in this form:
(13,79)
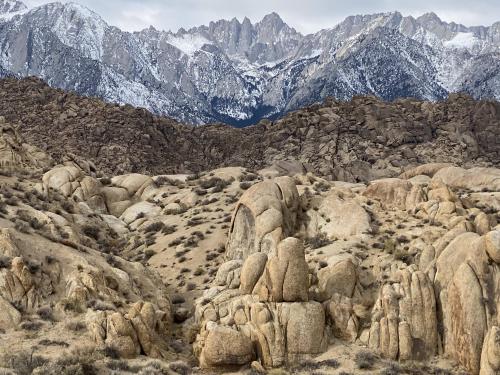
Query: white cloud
(305,16)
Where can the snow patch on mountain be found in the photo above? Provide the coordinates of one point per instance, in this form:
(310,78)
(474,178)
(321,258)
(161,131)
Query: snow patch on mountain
(462,40)
(188,44)
(79,27)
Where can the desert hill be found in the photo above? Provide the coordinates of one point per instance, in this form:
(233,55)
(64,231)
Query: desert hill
(357,140)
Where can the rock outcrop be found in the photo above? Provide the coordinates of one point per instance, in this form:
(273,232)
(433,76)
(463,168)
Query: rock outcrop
(467,284)
(265,215)
(359,140)
(404,320)
(267,312)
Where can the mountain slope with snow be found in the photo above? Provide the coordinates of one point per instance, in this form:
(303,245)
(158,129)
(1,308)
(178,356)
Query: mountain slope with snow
(239,72)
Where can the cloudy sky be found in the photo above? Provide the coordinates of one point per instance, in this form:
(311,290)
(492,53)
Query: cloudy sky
(305,15)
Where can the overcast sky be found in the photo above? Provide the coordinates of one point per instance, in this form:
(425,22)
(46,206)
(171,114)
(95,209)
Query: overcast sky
(305,15)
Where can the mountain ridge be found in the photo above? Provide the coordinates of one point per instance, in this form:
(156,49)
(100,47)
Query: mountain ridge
(239,72)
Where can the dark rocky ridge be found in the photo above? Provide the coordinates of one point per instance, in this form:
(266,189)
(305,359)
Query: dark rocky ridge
(362,139)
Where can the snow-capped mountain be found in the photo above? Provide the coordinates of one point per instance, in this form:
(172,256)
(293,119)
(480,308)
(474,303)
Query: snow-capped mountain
(239,72)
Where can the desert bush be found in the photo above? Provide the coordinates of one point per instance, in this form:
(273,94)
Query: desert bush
(321,186)
(177,299)
(150,241)
(118,365)
(310,365)
(231,199)
(149,253)
(77,362)
(322,264)
(248,177)
(194,221)
(47,342)
(154,227)
(403,239)
(111,352)
(320,240)
(210,256)
(21,226)
(180,368)
(33,266)
(5,261)
(199,271)
(67,206)
(91,231)
(24,362)
(216,183)
(365,360)
(70,304)
(191,241)
(99,305)
(200,192)
(45,313)
(76,326)
(175,242)
(105,181)
(30,325)
(12,200)
(193,177)
(245,185)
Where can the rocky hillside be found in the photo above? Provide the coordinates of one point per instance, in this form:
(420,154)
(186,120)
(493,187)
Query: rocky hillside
(247,272)
(239,72)
(358,140)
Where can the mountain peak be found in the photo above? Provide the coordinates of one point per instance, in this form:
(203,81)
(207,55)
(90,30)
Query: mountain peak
(272,18)
(429,17)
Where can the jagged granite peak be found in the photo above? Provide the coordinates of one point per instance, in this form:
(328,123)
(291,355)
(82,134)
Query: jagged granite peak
(238,72)
(268,40)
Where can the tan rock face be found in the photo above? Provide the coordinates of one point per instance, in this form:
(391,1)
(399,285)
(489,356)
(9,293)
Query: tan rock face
(467,315)
(226,347)
(492,244)
(251,272)
(490,356)
(340,277)
(16,155)
(264,215)
(17,286)
(338,217)
(263,303)
(474,179)
(404,322)
(71,181)
(345,324)
(141,331)
(396,193)
(10,317)
(285,278)
(466,282)
(74,282)
(429,170)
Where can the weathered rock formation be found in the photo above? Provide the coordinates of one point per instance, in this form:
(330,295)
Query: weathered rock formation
(360,140)
(264,306)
